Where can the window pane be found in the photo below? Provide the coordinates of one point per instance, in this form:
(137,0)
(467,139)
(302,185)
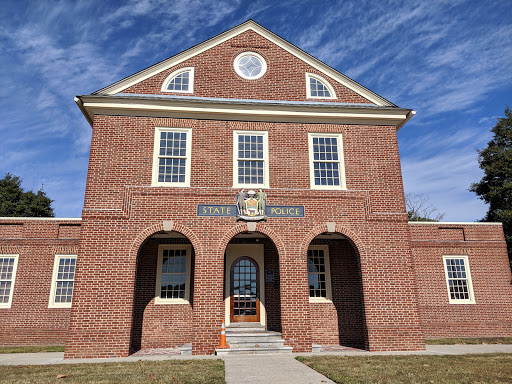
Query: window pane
(318,89)
(64,282)
(173,274)
(458,281)
(316,273)
(179,82)
(250,172)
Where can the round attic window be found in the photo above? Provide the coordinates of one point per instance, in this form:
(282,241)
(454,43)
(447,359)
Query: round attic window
(250,65)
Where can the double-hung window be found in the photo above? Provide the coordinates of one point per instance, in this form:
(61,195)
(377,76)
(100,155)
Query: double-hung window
(63,281)
(458,280)
(171,159)
(173,274)
(8,264)
(319,276)
(250,159)
(327,170)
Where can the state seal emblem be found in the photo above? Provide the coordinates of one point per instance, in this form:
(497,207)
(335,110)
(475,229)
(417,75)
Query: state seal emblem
(251,205)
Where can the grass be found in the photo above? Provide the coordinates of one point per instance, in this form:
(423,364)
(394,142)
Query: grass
(33,349)
(153,372)
(447,369)
(482,340)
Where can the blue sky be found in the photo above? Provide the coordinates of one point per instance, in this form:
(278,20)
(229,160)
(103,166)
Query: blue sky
(451,61)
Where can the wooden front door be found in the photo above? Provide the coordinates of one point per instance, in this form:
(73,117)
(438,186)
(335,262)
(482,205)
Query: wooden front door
(245,290)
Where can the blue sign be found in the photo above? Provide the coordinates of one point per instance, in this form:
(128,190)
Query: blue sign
(216,210)
(231,210)
(285,211)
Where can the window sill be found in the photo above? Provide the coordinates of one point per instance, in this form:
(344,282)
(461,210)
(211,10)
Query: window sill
(59,306)
(319,300)
(172,185)
(159,301)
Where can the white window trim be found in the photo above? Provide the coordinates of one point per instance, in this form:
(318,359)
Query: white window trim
(341,161)
(158,299)
(168,79)
(265,184)
(52,303)
(15,267)
(327,299)
(156,156)
(247,53)
(324,82)
(471,299)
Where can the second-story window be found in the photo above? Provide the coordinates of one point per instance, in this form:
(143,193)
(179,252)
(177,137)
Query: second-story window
(326,161)
(171,159)
(250,159)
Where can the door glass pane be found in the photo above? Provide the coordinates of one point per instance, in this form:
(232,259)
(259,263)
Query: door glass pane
(244,288)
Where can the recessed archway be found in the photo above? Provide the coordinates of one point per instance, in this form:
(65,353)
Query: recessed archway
(164,292)
(337,308)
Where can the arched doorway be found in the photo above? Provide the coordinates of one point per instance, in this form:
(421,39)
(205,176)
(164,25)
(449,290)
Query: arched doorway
(245,290)
(252,281)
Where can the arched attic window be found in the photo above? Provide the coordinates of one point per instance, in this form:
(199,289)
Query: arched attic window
(181,80)
(318,88)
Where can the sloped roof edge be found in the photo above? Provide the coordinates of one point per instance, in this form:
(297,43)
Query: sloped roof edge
(216,40)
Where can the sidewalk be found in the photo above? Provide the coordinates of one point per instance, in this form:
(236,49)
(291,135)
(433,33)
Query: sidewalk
(268,369)
(58,357)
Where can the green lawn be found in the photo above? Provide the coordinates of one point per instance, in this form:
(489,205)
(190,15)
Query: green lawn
(153,372)
(459,369)
(33,349)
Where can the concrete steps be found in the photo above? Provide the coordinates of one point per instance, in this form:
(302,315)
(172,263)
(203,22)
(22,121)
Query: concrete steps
(251,338)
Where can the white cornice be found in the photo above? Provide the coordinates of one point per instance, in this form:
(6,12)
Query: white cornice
(239,110)
(214,41)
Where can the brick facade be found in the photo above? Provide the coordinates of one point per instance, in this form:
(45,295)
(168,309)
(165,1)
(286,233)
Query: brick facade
(491,314)
(383,296)
(29,321)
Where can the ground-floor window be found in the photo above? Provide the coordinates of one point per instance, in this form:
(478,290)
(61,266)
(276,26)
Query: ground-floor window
(173,274)
(8,264)
(319,277)
(458,279)
(63,281)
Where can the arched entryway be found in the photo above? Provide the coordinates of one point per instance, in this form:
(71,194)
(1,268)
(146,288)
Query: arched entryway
(245,290)
(164,292)
(252,281)
(336,292)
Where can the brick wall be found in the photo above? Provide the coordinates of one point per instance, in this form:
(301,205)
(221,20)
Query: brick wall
(215,75)
(491,314)
(29,321)
(121,208)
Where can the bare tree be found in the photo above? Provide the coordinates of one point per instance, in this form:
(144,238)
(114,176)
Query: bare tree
(419,208)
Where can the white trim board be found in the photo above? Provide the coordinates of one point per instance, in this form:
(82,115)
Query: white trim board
(141,106)
(265,33)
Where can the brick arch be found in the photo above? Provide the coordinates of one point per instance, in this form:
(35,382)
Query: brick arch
(339,228)
(260,227)
(141,238)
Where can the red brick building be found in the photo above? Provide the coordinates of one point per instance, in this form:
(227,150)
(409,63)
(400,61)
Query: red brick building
(243,180)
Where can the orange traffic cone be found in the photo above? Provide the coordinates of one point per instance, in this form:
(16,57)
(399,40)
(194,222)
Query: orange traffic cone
(223,344)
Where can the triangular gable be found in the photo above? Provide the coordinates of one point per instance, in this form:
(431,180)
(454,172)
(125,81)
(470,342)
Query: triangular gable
(219,39)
